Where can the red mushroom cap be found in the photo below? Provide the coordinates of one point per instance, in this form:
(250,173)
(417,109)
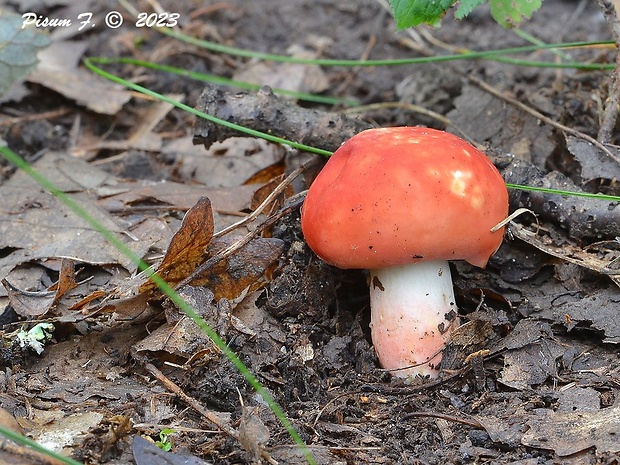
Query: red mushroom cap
(394,196)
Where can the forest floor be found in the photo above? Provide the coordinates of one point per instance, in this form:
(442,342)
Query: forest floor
(124,363)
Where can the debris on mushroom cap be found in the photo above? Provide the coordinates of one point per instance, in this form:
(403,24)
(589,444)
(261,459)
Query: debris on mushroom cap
(393,196)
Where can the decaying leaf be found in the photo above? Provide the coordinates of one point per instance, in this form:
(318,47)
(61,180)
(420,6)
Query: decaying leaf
(264,191)
(252,434)
(18,49)
(530,354)
(241,270)
(187,247)
(180,336)
(507,430)
(525,332)
(569,433)
(142,136)
(64,432)
(35,225)
(225,164)
(58,71)
(594,163)
(288,76)
(264,335)
(147,453)
(125,196)
(531,365)
(271,173)
(28,303)
(34,304)
(485,118)
(597,311)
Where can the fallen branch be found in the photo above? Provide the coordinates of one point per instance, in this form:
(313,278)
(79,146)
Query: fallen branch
(581,217)
(271,114)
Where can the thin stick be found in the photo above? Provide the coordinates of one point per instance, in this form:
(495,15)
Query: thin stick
(10,121)
(270,198)
(469,422)
(201,409)
(193,403)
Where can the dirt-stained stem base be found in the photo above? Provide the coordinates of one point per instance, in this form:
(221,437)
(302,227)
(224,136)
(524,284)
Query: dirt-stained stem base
(412,315)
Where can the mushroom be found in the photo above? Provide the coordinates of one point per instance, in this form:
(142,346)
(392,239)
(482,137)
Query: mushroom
(401,202)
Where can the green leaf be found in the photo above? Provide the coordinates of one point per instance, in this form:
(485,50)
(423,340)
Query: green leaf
(509,13)
(410,13)
(18,49)
(466,7)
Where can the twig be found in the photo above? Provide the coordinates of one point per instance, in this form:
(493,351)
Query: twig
(469,422)
(610,114)
(266,112)
(415,388)
(193,403)
(269,199)
(331,401)
(10,121)
(536,114)
(198,407)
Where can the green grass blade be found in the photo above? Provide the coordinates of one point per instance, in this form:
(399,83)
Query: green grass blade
(469,55)
(212,78)
(296,145)
(546,190)
(251,132)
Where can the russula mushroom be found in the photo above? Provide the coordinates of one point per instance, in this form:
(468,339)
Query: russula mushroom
(401,202)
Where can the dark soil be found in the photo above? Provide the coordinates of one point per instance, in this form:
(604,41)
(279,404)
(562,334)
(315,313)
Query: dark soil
(545,387)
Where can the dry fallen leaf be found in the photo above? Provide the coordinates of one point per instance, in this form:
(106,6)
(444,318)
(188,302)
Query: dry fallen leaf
(253,434)
(181,336)
(264,191)
(58,71)
(485,118)
(531,365)
(594,163)
(241,270)
(34,304)
(34,225)
(225,164)
(289,76)
(569,433)
(187,247)
(530,354)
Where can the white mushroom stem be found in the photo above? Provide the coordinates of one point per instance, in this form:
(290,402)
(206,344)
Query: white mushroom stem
(412,315)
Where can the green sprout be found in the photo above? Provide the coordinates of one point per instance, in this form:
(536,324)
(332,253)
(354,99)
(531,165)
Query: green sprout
(164,442)
(36,337)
